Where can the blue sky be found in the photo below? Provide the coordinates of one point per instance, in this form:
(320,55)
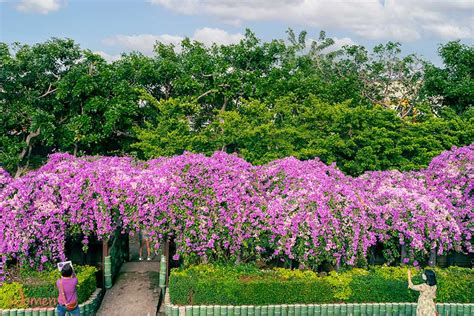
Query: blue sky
(111,27)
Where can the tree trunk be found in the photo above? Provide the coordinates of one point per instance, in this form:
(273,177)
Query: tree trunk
(372,256)
(403,254)
(224,146)
(432,260)
(26,151)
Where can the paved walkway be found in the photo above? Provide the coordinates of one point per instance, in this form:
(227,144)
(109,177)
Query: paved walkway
(136,291)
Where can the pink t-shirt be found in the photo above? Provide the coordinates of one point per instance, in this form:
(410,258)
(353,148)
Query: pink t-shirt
(70,292)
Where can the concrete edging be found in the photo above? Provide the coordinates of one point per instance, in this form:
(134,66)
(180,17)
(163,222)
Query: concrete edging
(88,308)
(393,309)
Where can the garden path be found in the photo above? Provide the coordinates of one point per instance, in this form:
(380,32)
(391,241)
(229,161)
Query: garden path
(136,291)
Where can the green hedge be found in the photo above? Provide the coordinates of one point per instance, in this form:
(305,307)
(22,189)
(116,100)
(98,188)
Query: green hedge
(9,294)
(35,288)
(247,285)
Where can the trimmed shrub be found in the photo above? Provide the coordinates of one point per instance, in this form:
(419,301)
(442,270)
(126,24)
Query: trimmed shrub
(247,285)
(10,295)
(38,288)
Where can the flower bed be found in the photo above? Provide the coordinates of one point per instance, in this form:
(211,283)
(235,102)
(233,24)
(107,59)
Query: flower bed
(38,289)
(247,285)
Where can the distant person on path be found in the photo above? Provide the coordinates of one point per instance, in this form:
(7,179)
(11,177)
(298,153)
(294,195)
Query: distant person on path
(144,236)
(426,305)
(67,299)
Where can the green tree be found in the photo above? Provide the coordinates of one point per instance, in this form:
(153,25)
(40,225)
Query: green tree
(169,131)
(452,85)
(56,97)
(99,109)
(261,100)
(357,138)
(29,78)
(382,77)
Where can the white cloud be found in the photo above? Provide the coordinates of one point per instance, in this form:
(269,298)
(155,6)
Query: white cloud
(405,20)
(107,57)
(341,42)
(447,31)
(338,43)
(145,42)
(39,6)
(208,36)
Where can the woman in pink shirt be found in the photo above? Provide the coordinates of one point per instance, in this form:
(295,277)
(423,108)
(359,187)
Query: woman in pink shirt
(67,300)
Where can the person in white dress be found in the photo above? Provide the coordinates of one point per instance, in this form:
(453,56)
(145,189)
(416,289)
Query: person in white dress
(426,304)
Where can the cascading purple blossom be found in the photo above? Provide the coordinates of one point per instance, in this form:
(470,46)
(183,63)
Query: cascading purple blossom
(408,213)
(451,176)
(313,213)
(5,178)
(223,208)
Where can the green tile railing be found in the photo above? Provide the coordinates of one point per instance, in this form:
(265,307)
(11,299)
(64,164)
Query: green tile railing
(376,309)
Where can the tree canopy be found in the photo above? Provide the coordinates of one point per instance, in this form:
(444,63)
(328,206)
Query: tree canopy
(364,110)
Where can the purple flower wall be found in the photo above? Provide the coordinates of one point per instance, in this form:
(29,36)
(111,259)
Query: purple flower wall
(222,208)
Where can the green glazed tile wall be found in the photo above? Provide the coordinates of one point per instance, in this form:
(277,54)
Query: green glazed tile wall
(375,309)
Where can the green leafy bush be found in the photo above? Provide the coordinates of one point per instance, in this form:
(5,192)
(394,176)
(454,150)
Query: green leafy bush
(38,288)
(10,295)
(242,285)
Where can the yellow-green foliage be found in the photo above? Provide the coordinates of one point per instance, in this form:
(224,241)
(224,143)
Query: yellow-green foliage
(342,281)
(10,295)
(241,285)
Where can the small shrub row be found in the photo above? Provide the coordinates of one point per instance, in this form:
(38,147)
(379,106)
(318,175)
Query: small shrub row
(38,288)
(247,285)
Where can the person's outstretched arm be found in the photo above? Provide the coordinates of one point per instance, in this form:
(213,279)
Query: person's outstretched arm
(411,285)
(74,277)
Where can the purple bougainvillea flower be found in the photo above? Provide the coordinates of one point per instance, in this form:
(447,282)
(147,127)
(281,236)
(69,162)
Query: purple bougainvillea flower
(224,209)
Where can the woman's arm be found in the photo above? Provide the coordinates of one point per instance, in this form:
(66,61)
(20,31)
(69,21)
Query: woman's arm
(74,277)
(411,285)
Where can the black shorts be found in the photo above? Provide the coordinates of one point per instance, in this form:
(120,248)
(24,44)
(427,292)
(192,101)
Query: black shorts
(142,235)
